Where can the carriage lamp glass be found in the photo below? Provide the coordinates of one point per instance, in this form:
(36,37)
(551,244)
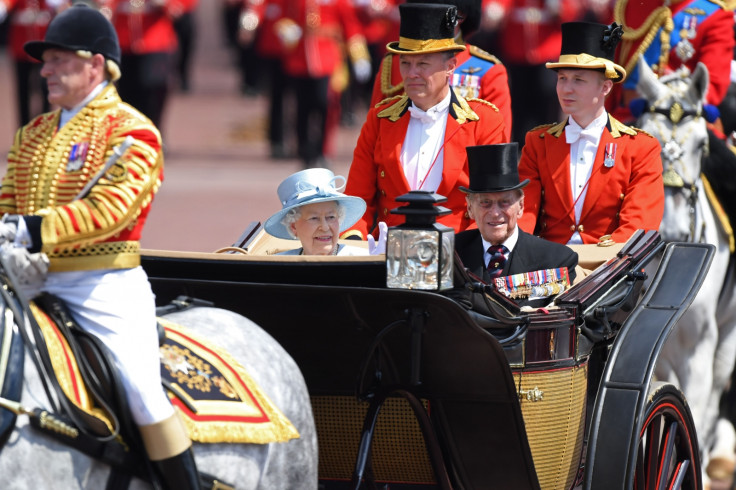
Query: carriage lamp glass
(420,252)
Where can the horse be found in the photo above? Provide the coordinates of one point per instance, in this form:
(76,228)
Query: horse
(699,356)
(30,459)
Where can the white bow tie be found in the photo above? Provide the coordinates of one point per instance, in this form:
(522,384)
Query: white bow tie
(424,117)
(573,133)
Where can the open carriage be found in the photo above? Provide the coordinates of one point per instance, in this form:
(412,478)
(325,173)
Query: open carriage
(421,389)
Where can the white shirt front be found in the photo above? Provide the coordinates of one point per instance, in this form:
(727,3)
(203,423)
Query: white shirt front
(422,153)
(582,158)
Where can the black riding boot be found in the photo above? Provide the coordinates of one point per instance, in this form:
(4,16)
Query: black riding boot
(178,472)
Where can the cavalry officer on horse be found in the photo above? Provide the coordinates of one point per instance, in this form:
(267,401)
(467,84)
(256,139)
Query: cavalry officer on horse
(73,194)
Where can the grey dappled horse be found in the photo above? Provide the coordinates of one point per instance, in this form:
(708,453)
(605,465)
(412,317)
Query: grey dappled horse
(699,355)
(33,461)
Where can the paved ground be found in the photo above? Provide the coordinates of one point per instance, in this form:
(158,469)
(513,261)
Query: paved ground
(218,177)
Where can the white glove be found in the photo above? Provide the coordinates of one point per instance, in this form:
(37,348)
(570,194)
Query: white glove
(362,69)
(29,270)
(378,247)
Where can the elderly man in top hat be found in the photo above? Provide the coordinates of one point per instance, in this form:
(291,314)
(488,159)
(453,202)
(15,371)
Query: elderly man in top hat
(592,178)
(495,199)
(58,197)
(417,141)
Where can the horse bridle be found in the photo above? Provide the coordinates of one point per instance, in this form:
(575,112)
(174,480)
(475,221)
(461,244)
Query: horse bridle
(672,153)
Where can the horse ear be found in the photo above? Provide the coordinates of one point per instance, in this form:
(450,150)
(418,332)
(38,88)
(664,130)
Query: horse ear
(700,80)
(648,85)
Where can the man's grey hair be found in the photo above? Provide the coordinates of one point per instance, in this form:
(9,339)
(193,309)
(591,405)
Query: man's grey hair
(294,214)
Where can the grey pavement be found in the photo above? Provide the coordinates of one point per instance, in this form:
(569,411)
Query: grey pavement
(218,177)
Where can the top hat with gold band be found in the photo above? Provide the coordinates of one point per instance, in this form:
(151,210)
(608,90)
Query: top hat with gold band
(590,46)
(493,168)
(426,28)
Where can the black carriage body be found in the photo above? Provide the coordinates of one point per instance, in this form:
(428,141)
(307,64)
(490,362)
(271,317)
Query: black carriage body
(404,370)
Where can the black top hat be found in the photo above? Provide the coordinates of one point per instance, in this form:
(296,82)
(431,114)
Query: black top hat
(79,27)
(493,168)
(471,9)
(426,28)
(592,46)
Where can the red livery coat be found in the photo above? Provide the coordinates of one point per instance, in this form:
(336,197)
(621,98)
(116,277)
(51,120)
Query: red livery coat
(376,174)
(619,199)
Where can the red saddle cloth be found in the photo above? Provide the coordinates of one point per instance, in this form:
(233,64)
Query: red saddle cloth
(217,399)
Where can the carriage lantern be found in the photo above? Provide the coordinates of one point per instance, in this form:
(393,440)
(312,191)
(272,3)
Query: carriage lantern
(420,252)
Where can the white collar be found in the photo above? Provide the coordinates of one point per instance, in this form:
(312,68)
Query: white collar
(67,114)
(509,243)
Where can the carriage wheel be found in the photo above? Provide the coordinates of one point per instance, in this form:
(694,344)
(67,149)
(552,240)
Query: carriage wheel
(667,456)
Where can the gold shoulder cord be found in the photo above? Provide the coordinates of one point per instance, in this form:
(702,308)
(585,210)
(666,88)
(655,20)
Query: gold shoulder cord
(660,17)
(386,67)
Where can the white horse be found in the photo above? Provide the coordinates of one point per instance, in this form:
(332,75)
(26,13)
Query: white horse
(699,355)
(30,460)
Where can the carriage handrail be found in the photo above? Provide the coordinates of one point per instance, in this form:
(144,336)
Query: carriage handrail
(627,375)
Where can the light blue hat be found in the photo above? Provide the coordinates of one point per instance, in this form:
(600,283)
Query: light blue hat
(311,186)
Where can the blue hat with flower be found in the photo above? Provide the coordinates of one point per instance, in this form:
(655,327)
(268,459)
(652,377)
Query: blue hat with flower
(311,186)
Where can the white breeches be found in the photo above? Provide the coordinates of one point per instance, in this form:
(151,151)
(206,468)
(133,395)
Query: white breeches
(117,305)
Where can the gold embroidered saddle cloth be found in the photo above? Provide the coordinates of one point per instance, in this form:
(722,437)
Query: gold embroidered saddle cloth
(217,400)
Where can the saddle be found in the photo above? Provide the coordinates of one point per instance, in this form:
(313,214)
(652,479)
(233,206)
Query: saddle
(95,418)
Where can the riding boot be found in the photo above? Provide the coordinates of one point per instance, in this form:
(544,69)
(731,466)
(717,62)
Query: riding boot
(178,472)
(169,450)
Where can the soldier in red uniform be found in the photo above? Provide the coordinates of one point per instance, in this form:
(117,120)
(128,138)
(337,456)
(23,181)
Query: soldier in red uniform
(528,34)
(478,75)
(670,34)
(312,33)
(148,43)
(257,31)
(28,20)
(592,178)
(417,141)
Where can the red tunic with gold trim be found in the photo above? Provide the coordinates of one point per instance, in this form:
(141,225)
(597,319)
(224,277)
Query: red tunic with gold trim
(323,25)
(684,33)
(265,13)
(376,173)
(144,26)
(479,75)
(48,168)
(28,20)
(624,192)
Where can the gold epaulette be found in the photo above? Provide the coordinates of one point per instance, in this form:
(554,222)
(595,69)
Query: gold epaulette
(482,54)
(641,131)
(542,126)
(394,111)
(555,129)
(618,128)
(462,110)
(483,101)
(386,69)
(725,4)
(387,100)
(351,233)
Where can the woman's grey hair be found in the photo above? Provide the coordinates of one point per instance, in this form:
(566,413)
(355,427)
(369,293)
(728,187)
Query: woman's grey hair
(294,214)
